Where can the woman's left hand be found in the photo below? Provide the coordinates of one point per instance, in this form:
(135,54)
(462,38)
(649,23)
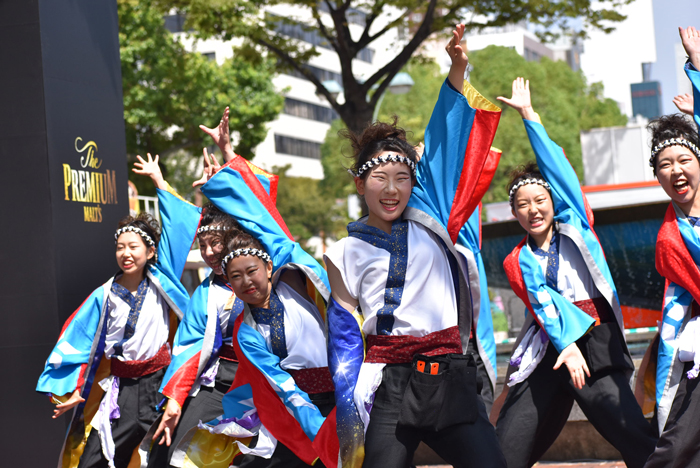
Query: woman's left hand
(210,168)
(572,357)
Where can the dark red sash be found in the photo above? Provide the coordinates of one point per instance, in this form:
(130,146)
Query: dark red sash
(390,349)
(598,308)
(135,369)
(315,380)
(227,352)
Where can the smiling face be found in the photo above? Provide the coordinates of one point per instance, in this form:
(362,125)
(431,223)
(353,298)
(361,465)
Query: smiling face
(249,278)
(534,210)
(210,246)
(386,189)
(678,172)
(133,253)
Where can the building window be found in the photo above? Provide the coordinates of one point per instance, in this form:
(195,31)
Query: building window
(306,110)
(353,15)
(320,73)
(175,23)
(210,55)
(296,147)
(312,36)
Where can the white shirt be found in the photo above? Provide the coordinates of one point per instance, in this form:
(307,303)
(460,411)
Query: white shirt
(304,331)
(220,297)
(151,331)
(574,281)
(428,303)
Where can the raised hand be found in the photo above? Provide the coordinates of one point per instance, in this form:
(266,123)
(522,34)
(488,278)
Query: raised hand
(166,427)
(151,169)
(73,401)
(210,168)
(520,100)
(221,136)
(572,357)
(684,103)
(690,37)
(458,56)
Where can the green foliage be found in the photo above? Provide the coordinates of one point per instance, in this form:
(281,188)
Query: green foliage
(566,104)
(336,159)
(168,91)
(306,209)
(500,321)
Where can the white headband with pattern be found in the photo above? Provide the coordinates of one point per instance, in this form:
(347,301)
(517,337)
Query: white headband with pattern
(381,160)
(672,142)
(533,180)
(247,251)
(148,239)
(211,227)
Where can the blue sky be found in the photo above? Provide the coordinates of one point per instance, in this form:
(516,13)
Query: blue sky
(668,15)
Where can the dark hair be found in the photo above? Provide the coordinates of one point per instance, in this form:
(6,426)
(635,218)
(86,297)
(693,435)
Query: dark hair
(672,126)
(526,171)
(376,138)
(211,215)
(148,224)
(238,239)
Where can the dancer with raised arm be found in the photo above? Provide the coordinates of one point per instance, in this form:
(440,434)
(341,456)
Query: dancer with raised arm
(283,390)
(400,286)
(674,158)
(560,273)
(112,352)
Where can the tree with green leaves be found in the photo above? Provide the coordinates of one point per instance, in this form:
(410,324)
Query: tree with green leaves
(566,103)
(307,209)
(169,91)
(331,22)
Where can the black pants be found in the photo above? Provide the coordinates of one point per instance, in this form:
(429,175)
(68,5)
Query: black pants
(679,444)
(535,411)
(205,406)
(487,389)
(283,457)
(389,445)
(137,405)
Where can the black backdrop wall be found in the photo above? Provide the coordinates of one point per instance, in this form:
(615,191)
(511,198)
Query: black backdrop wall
(63,189)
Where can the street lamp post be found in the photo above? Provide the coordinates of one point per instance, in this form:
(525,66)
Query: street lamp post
(401,83)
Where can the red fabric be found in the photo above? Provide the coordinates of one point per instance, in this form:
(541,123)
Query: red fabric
(673,261)
(316,380)
(180,384)
(227,352)
(598,308)
(251,180)
(134,369)
(271,410)
(515,277)
(477,154)
(390,349)
(326,441)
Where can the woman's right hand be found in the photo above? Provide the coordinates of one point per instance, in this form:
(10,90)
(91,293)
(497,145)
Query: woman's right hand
(575,362)
(74,400)
(210,168)
(168,423)
(690,37)
(221,136)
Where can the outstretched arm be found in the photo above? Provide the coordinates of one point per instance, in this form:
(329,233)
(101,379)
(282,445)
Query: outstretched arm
(684,103)
(221,136)
(151,169)
(690,37)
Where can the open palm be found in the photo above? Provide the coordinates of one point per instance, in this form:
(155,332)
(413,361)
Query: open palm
(691,43)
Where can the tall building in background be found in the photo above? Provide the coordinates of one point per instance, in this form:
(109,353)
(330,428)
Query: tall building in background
(294,139)
(646,99)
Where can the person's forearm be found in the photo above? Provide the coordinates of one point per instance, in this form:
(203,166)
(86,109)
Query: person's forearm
(159,182)
(456,76)
(528,113)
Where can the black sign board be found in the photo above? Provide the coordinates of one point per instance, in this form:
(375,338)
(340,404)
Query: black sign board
(64,187)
